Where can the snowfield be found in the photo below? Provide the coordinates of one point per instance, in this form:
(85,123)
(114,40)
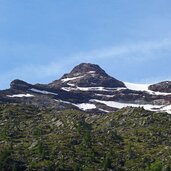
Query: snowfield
(150,107)
(137,87)
(143,87)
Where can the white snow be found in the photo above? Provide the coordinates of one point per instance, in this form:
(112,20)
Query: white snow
(85,106)
(167,109)
(159,93)
(143,87)
(72,78)
(72,85)
(63,101)
(67,88)
(42,91)
(131,86)
(82,106)
(150,107)
(104,95)
(92,72)
(21,95)
(104,110)
(138,87)
(89,88)
(121,105)
(118,105)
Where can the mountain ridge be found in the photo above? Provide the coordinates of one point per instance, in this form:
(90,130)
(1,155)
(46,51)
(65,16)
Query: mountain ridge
(89,88)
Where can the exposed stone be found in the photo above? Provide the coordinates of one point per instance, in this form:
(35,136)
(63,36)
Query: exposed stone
(19,84)
(59,123)
(88,75)
(164,86)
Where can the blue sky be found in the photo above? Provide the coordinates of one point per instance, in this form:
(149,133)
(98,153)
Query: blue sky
(41,40)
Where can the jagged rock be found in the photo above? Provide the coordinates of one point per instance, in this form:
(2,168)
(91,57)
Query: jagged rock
(88,75)
(164,86)
(19,84)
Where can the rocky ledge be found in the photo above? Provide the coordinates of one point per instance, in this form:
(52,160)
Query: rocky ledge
(164,86)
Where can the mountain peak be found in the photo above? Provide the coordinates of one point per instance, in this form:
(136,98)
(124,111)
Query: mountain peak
(87,75)
(87,67)
(19,84)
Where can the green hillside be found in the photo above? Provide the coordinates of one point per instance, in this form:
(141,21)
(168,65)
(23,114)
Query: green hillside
(131,139)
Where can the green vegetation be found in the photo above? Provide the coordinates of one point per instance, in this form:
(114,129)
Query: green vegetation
(130,139)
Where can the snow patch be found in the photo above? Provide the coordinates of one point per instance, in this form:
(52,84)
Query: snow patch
(91,89)
(167,109)
(106,111)
(72,85)
(158,93)
(42,91)
(138,87)
(143,87)
(104,95)
(92,72)
(63,101)
(82,106)
(85,106)
(121,105)
(150,107)
(69,79)
(66,88)
(21,95)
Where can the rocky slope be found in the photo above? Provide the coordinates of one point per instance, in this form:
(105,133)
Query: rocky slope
(89,88)
(164,86)
(87,75)
(37,139)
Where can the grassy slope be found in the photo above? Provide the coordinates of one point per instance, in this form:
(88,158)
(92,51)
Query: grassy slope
(129,139)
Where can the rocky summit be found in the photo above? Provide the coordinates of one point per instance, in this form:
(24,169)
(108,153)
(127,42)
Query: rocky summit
(164,86)
(89,88)
(88,75)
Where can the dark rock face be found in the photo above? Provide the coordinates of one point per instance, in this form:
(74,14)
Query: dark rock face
(88,75)
(164,86)
(20,85)
(84,68)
